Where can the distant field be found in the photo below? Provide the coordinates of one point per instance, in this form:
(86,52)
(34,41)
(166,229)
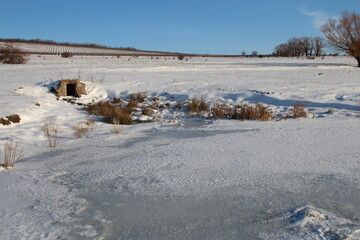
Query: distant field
(58,49)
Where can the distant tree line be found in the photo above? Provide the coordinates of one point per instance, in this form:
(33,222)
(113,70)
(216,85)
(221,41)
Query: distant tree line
(304,46)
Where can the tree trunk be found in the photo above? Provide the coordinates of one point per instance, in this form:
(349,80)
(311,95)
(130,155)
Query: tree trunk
(358,60)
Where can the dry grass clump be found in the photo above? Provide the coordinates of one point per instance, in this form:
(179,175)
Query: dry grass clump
(133,103)
(120,116)
(12,154)
(242,112)
(138,97)
(12,55)
(82,130)
(147,111)
(51,132)
(112,114)
(298,111)
(198,105)
(257,112)
(218,111)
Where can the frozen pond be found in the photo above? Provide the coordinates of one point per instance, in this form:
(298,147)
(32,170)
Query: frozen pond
(139,207)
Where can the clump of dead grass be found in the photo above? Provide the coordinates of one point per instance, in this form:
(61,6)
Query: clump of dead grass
(139,97)
(12,154)
(51,132)
(112,114)
(242,112)
(298,111)
(198,105)
(82,129)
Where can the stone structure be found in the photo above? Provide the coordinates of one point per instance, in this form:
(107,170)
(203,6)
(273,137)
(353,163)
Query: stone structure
(70,87)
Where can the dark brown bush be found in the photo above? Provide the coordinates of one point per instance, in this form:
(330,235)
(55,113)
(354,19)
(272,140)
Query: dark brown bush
(4,121)
(298,111)
(138,97)
(147,111)
(67,54)
(133,104)
(116,100)
(12,55)
(15,118)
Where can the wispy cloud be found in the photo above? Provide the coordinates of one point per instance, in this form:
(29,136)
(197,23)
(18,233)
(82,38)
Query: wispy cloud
(318,18)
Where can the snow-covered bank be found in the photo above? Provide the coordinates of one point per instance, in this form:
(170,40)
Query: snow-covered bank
(191,180)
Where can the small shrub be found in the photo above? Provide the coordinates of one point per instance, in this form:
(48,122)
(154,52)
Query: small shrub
(67,54)
(80,130)
(112,114)
(132,104)
(119,116)
(218,111)
(298,111)
(5,121)
(15,118)
(12,55)
(197,106)
(12,154)
(181,57)
(147,111)
(116,100)
(51,132)
(257,112)
(138,97)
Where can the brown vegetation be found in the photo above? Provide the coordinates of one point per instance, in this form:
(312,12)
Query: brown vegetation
(12,154)
(12,55)
(112,114)
(51,132)
(67,54)
(198,105)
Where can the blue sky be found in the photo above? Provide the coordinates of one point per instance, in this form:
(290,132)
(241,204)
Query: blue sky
(191,26)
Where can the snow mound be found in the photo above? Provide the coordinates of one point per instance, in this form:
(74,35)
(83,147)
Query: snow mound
(309,222)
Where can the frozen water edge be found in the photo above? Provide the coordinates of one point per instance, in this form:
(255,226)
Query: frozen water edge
(143,189)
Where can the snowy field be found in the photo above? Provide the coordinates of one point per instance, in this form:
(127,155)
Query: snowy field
(180,177)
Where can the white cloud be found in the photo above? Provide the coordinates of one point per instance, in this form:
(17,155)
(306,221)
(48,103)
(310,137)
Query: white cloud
(318,18)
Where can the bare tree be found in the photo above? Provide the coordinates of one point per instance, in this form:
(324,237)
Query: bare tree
(282,50)
(305,44)
(344,34)
(318,44)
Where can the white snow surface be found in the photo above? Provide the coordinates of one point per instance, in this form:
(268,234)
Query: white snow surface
(180,177)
